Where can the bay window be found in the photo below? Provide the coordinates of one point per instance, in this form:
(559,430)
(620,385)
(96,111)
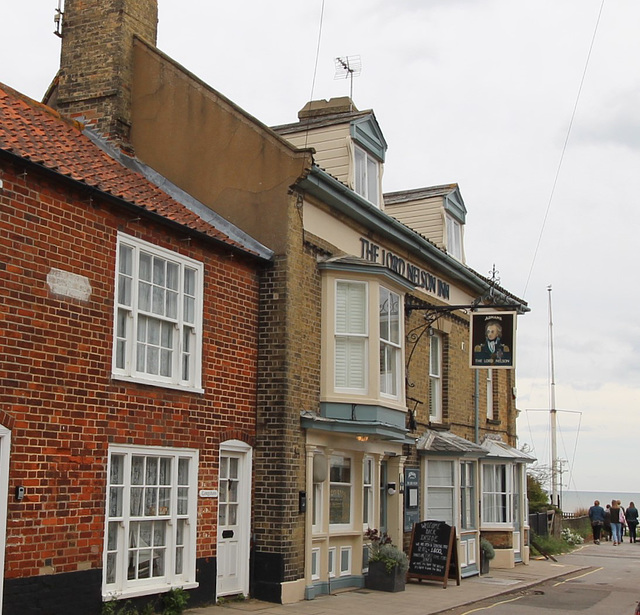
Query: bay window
(496,493)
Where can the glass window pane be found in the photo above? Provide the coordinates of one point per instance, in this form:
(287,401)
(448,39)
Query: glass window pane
(125,260)
(173,276)
(145,267)
(144,296)
(159,271)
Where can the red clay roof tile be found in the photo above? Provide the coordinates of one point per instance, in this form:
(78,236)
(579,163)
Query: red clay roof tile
(41,135)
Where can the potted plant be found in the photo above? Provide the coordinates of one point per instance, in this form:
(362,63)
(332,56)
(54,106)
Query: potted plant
(388,564)
(487,553)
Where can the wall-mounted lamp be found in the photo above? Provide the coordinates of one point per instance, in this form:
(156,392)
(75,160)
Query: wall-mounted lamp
(391,488)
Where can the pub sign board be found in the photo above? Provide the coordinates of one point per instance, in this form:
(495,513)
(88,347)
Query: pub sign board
(493,338)
(434,552)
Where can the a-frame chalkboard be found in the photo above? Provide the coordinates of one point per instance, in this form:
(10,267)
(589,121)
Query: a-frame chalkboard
(434,552)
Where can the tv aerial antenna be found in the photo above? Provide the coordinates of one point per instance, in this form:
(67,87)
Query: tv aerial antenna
(348,67)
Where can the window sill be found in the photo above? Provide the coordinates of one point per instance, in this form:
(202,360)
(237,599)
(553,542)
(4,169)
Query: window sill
(494,422)
(156,383)
(147,590)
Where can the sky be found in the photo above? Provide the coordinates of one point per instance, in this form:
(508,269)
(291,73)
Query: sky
(532,108)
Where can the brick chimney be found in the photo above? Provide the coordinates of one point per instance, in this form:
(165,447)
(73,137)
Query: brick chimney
(96,61)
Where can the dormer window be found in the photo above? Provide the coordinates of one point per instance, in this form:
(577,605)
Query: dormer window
(367,176)
(454,237)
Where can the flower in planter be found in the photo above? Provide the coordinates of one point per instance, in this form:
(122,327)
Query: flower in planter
(487,549)
(383,550)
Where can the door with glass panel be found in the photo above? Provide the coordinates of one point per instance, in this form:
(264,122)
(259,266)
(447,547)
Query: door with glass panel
(468,532)
(234,514)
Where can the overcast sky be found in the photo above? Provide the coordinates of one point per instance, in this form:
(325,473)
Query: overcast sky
(482,93)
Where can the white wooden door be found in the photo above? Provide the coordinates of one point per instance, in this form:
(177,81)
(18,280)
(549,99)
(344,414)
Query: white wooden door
(234,519)
(5,446)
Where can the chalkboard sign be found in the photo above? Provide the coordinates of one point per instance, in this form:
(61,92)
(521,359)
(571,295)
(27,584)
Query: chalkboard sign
(434,552)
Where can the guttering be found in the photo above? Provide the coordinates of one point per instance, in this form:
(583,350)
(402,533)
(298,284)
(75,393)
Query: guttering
(132,207)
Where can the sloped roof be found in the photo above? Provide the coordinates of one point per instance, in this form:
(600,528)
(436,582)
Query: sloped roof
(37,133)
(403,196)
(433,441)
(498,449)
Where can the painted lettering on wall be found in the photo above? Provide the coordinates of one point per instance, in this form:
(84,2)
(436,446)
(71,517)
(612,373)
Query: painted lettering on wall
(420,277)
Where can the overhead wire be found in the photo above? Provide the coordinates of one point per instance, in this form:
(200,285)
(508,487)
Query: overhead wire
(564,149)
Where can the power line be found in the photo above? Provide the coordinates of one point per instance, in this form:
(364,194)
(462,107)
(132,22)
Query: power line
(564,148)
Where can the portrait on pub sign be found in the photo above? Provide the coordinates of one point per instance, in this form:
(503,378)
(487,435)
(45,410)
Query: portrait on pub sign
(493,339)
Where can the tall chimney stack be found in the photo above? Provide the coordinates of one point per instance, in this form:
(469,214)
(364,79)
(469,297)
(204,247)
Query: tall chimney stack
(96,61)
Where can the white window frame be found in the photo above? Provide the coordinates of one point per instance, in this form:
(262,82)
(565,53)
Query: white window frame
(175,335)
(390,343)
(497,499)
(331,561)
(366,175)
(436,341)
(315,563)
(454,237)
(368,492)
(343,487)
(468,516)
(352,334)
(316,508)
(345,556)
(180,515)
(438,485)
(490,376)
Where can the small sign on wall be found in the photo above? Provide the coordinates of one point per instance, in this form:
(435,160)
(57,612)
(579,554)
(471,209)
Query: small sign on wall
(208,493)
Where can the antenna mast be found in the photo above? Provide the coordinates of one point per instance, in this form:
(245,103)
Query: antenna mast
(348,67)
(555,497)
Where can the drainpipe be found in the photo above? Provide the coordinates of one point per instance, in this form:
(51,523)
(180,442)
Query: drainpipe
(476,406)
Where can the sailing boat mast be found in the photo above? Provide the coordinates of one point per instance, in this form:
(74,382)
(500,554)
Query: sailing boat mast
(555,497)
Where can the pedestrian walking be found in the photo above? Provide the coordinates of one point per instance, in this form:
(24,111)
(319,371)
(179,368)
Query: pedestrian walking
(623,521)
(607,523)
(632,521)
(596,516)
(616,525)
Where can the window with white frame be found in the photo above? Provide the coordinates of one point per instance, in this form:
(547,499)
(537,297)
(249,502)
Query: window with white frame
(332,561)
(158,315)
(496,493)
(490,394)
(390,347)
(345,561)
(367,176)
(440,490)
(151,520)
(467,495)
(351,336)
(316,507)
(340,490)
(435,377)
(367,492)
(454,237)
(315,563)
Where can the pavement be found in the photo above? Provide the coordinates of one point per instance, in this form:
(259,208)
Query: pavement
(419,598)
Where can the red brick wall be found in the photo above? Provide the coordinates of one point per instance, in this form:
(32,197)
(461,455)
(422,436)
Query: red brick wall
(56,391)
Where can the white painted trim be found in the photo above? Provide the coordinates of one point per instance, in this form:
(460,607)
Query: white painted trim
(244,521)
(5,450)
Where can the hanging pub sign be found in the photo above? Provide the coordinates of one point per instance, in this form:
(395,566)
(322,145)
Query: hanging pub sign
(493,337)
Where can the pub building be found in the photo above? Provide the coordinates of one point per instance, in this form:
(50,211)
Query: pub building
(369,411)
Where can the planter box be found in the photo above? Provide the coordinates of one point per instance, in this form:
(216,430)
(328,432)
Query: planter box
(378,578)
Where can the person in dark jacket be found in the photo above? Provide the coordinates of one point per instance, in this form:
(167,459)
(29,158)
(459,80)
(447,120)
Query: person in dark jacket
(596,516)
(632,521)
(616,522)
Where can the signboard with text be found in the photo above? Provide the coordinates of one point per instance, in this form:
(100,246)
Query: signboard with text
(493,336)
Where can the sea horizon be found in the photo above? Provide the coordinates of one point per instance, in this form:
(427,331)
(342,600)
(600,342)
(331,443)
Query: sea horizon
(572,501)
